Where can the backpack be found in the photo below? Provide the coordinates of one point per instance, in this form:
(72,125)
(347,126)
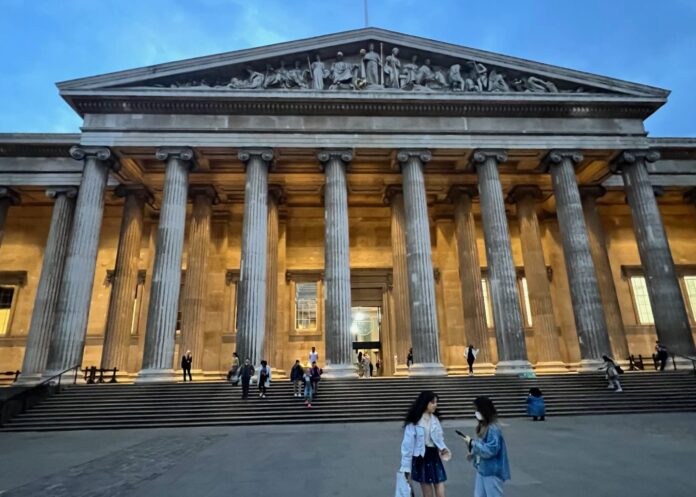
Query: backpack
(618,368)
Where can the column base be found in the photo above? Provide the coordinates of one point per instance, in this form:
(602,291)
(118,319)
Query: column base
(401,370)
(427,369)
(483,369)
(334,371)
(516,367)
(590,365)
(156,376)
(28,380)
(550,367)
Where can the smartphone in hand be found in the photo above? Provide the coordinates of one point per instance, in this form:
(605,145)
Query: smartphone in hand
(460,433)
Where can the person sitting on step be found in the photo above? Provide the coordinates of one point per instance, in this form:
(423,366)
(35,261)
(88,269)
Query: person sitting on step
(536,408)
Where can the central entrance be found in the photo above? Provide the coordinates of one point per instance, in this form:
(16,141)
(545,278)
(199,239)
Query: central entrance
(370,324)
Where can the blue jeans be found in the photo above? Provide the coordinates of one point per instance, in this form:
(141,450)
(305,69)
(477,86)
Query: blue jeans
(488,486)
(308,392)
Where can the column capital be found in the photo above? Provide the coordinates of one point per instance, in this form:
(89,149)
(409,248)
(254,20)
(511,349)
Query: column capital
(246,154)
(390,193)
(457,191)
(345,155)
(277,192)
(102,154)
(206,191)
(141,192)
(594,191)
(185,154)
(519,192)
(11,194)
(480,156)
(405,154)
(558,156)
(55,191)
(632,157)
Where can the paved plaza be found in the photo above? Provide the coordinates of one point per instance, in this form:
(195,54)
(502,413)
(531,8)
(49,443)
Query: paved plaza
(635,455)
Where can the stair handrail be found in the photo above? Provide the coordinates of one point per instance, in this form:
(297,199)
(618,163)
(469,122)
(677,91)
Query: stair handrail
(687,357)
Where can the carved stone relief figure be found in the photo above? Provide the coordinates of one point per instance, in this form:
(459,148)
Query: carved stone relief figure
(254,81)
(496,82)
(455,78)
(297,77)
(533,84)
(319,73)
(392,69)
(408,77)
(342,74)
(279,78)
(428,78)
(372,64)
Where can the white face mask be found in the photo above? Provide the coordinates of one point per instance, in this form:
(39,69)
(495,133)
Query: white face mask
(478,416)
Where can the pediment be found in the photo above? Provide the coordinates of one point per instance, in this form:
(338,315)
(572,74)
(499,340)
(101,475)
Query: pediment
(365,61)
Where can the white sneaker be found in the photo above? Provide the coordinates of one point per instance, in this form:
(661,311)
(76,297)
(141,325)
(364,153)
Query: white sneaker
(619,389)
(610,386)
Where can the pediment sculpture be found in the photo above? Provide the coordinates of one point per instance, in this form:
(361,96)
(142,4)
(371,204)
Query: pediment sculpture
(372,71)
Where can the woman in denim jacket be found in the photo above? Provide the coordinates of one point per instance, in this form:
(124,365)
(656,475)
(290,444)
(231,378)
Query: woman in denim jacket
(423,446)
(488,451)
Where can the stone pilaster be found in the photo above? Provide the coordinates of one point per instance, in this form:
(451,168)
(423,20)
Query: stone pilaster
(158,352)
(502,279)
(70,328)
(251,300)
(402,316)
(475,325)
(125,280)
(605,278)
(8,198)
(339,342)
(44,311)
(548,350)
(421,285)
(669,311)
(584,290)
(194,301)
(270,342)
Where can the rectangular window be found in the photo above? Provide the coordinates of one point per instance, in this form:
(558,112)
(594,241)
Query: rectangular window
(525,299)
(6,298)
(642,300)
(690,285)
(306,306)
(487,303)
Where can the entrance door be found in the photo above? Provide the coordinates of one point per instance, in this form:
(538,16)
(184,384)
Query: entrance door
(366,330)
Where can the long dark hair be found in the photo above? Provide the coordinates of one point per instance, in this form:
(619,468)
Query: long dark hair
(415,412)
(485,406)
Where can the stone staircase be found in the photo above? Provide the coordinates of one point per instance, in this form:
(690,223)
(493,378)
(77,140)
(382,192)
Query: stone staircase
(115,406)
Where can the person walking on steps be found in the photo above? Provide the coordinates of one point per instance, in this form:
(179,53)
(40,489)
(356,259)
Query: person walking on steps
(612,372)
(423,447)
(409,358)
(308,391)
(296,374)
(313,355)
(487,451)
(662,354)
(233,373)
(471,354)
(315,373)
(246,372)
(264,379)
(186,361)
(536,407)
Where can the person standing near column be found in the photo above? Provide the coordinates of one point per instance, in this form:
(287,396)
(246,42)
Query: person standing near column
(313,356)
(186,362)
(296,374)
(471,354)
(246,372)
(264,379)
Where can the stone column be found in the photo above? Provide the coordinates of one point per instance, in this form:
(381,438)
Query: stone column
(402,317)
(44,311)
(193,303)
(421,285)
(125,279)
(605,278)
(251,300)
(158,350)
(339,342)
(584,290)
(545,334)
(669,311)
(502,278)
(70,327)
(475,325)
(270,342)
(8,198)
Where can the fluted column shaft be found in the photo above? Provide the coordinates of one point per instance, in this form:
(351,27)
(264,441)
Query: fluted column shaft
(193,302)
(339,341)
(421,284)
(475,325)
(45,304)
(666,300)
(8,198)
(402,315)
(125,280)
(605,278)
(502,279)
(584,290)
(252,277)
(548,350)
(160,331)
(70,328)
(270,352)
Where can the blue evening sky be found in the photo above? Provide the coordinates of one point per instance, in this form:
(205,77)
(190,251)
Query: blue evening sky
(46,41)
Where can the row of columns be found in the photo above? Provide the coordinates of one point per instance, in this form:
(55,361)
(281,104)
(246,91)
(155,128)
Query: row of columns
(64,294)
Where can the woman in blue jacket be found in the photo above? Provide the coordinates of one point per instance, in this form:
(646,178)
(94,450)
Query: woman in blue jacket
(536,407)
(488,451)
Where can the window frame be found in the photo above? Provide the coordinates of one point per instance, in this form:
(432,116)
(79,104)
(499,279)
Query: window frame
(16,280)
(293,277)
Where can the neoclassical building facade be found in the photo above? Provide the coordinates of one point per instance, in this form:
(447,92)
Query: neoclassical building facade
(361,191)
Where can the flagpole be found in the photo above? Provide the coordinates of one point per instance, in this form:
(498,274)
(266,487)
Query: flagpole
(366,18)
